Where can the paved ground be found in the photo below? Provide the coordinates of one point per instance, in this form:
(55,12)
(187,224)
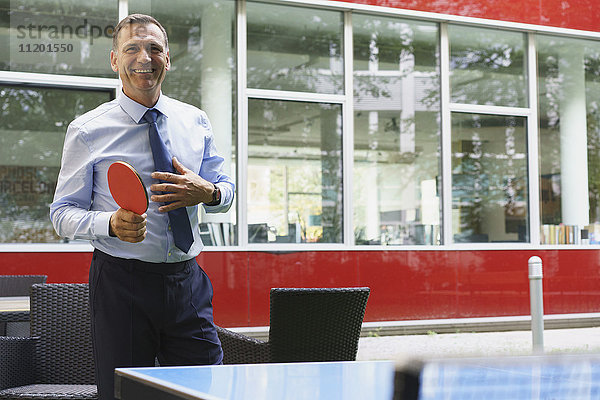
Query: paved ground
(477,344)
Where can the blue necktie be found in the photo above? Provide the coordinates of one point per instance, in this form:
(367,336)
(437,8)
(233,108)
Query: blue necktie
(180,223)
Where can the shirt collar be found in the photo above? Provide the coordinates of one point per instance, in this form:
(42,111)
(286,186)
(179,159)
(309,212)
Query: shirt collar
(136,110)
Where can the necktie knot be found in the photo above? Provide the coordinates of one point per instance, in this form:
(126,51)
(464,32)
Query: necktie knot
(151,115)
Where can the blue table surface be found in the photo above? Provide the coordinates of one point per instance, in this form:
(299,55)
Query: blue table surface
(328,380)
(556,377)
(560,377)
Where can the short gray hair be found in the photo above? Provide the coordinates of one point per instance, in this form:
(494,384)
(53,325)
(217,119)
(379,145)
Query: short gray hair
(140,19)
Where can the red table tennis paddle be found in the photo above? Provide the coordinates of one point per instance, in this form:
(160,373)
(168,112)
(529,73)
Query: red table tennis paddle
(127,188)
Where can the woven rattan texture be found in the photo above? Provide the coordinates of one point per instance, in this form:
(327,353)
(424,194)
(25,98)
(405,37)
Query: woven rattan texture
(16,361)
(36,392)
(13,316)
(18,285)
(317,324)
(307,324)
(241,349)
(60,317)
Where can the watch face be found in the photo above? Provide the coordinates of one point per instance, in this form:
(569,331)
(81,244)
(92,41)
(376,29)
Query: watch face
(215,195)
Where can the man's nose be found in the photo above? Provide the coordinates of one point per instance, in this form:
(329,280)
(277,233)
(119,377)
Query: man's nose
(144,55)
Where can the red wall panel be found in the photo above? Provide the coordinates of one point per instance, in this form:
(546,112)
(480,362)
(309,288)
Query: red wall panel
(295,269)
(228,272)
(405,285)
(573,14)
(60,267)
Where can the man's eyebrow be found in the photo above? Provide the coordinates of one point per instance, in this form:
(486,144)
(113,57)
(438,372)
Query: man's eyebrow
(152,42)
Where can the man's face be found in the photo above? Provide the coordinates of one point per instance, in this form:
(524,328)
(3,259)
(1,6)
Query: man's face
(141,59)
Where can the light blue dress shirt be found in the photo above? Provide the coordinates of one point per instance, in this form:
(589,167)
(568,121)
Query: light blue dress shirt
(83,205)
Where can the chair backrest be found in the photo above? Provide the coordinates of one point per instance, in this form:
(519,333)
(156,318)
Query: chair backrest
(316,324)
(18,285)
(60,316)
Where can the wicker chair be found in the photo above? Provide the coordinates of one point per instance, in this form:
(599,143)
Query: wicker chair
(16,323)
(305,325)
(56,362)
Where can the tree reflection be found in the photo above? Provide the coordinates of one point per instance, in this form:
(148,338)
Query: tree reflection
(396,129)
(295,49)
(487,67)
(32,128)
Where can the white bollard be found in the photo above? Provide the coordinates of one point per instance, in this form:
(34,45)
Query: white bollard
(537,303)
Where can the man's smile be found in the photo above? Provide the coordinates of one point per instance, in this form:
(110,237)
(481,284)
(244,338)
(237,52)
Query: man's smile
(143,71)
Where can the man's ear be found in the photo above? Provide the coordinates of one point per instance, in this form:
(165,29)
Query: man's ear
(113,61)
(168,65)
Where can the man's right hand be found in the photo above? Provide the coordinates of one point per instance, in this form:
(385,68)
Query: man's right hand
(128,226)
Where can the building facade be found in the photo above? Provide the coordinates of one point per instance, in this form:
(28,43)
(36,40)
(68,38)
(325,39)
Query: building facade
(425,149)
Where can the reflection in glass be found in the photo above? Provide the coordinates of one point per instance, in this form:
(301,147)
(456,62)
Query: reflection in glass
(396,132)
(202,49)
(489,178)
(295,48)
(294,172)
(73,37)
(487,66)
(569,102)
(33,122)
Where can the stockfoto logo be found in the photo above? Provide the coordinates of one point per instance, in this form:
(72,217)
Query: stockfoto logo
(82,31)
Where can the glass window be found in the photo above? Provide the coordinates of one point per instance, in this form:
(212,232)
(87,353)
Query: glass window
(32,128)
(294,48)
(73,37)
(294,172)
(202,48)
(396,132)
(489,178)
(487,66)
(569,103)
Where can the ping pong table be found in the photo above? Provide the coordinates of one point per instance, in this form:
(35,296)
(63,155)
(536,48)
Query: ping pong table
(551,377)
(556,377)
(371,380)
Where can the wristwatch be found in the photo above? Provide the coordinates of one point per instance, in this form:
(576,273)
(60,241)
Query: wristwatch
(216,196)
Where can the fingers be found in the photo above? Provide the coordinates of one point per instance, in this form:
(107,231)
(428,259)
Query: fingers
(171,206)
(182,189)
(128,226)
(166,187)
(166,177)
(170,177)
(179,167)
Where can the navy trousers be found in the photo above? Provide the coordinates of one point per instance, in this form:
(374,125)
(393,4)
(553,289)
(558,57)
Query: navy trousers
(142,311)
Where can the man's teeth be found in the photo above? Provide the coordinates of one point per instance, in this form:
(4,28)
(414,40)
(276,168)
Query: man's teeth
(142,70)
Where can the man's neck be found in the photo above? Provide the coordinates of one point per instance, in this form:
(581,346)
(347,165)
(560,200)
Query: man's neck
(147,100)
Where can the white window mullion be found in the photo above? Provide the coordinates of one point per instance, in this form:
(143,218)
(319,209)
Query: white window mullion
(348,131)
(533,143)
(58,81)
(242,131)
(269,94)
(446,136)
(487,109)
(123,9)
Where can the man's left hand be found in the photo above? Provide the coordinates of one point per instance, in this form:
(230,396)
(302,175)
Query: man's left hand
(180,190)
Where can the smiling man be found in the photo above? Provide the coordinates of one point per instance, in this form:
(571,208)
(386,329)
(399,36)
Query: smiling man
(148,296)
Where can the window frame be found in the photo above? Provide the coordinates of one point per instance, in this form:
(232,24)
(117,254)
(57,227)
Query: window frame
(244,93)
(50,81)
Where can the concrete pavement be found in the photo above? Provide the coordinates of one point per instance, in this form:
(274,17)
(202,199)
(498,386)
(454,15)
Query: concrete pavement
(435,345)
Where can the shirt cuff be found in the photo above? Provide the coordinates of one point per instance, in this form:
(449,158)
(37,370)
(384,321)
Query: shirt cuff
(225,202)
(101,222)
